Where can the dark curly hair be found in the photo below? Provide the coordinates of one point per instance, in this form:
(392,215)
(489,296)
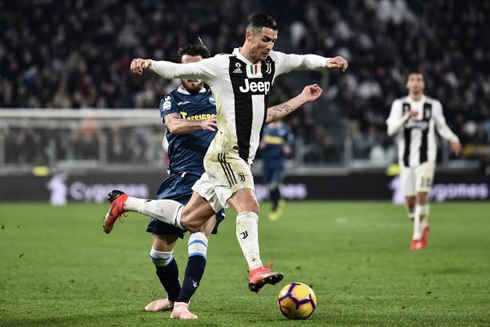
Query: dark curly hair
(198,49)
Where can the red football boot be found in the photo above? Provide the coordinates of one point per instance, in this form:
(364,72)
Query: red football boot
(261,276)
(425,236)
(116,209)
(417,245)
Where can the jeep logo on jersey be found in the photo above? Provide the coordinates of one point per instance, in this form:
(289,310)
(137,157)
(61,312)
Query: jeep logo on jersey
(259,87)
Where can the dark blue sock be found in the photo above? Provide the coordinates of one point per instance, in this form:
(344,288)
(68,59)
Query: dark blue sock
(275,197)
(169,277)
(193,274)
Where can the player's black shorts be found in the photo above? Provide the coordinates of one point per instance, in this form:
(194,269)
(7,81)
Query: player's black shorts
(177,187)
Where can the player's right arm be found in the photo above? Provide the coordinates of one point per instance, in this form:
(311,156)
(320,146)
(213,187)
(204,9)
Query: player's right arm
(205,70)
(396,119)
(178,125)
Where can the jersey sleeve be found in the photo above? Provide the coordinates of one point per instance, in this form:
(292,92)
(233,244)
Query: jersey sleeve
(396,119)
(167,106)
(289,62)
(206,70)
(441,125)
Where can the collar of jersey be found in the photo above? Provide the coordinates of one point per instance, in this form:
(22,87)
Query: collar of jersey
(237,53)
(422,99)
(182,90)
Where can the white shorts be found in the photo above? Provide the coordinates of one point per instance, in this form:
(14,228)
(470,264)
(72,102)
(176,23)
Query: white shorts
(417,179)
(226,173)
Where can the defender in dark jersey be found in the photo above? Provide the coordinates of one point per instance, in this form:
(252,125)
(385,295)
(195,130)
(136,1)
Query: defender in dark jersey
(276,145)
(189,114)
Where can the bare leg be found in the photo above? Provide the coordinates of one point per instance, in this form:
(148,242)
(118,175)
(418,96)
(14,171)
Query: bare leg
(196,265)
(196,213)
(410,202)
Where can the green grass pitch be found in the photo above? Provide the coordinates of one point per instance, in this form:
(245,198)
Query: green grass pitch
(58,268)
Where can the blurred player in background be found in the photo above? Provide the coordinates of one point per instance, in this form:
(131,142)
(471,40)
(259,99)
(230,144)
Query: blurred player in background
(276,145)
(240,83)
(413,121)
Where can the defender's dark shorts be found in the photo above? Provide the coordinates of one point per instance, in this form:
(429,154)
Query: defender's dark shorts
(177,186)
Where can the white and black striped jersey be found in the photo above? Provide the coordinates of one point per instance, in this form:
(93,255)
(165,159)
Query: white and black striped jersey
(415,136)
(240,89)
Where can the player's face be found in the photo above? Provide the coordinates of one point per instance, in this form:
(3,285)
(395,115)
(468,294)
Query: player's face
(261,43)
(191,85)
(415,83)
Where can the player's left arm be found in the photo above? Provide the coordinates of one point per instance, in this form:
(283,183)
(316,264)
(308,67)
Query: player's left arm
(444,130)
(290,62)
(310,93)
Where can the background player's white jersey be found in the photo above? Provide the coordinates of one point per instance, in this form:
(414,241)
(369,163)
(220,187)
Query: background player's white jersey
(240,89)
(415,136)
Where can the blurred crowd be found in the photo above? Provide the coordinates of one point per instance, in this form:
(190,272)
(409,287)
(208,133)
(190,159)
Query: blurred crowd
(76,54)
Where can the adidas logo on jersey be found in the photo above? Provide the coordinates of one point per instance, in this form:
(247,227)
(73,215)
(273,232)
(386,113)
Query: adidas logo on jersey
(237,71)
(255,87)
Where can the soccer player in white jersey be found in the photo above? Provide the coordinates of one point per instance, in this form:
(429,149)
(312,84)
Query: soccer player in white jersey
(413,121)
(240,83)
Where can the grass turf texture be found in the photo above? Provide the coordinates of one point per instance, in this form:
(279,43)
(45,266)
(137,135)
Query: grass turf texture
(58,268)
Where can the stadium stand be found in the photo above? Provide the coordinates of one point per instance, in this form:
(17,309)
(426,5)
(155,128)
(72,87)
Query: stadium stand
(79,58)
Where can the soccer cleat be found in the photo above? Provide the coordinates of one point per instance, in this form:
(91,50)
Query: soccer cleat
(425,236)
(261,276)
(274,216)
(116,209)
(417,245)
(181,311)
(159,305)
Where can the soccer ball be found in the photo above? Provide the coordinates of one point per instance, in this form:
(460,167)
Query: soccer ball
(297,301)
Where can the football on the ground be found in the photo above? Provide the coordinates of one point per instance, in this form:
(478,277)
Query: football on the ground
(297,301)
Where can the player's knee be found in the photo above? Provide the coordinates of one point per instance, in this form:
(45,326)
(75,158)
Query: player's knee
(251,205)
(422,198)
(189,224)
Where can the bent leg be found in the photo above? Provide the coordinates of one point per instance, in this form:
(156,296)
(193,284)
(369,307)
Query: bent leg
(410,206)
(196,213)
(197,247)
(166,269)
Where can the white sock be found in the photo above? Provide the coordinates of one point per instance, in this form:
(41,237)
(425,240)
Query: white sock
(417,222)
(247,233)
(424,216)
(167,211)
(197,245)
(159,258)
